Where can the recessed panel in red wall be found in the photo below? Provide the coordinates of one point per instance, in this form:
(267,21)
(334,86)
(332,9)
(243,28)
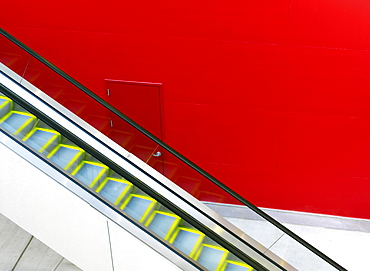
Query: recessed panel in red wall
(140,101)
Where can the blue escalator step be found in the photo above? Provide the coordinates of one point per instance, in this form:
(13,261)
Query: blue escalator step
(66,156)
(187,240)
(18,123)
(211,257)
(5,106)
(91,173)
(236,266)
(42,140)
(163,223)
(2,101)
(114,190)
(139,206)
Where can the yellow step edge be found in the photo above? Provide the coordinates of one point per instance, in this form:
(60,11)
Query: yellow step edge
(47,144)
(104,170)
(173,227)
(148,210)
(197,244)
(32,118)
(5,98)
(7,102)
(78,155)
(17,112)
(223,258)
(249,268)
(123,193)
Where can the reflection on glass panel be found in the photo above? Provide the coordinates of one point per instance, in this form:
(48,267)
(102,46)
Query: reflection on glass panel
(98,177)
(13,56)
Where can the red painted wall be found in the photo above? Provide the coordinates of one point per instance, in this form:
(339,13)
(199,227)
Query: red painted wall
(271,97)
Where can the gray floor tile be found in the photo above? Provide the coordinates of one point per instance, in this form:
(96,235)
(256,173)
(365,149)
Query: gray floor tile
(13,241)
(38,257)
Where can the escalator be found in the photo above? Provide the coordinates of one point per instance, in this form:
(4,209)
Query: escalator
(111,158)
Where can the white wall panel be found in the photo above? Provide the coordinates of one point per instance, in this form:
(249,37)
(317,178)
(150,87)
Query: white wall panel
(66,223)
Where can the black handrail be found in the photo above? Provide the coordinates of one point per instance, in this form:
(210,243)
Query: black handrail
(173,152)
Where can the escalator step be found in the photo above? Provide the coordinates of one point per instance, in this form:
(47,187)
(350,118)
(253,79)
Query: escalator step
(187,240)
(66,156)
(139,206)
(43,140)
(5,106)
(91,173)
(236,266)
(18,123)
(114,190)
(211,257)
(163,223)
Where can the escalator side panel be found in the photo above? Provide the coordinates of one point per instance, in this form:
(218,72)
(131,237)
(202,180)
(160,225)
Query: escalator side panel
(33,198)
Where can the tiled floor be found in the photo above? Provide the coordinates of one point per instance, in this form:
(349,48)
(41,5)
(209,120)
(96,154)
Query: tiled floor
(20,251)
(345,240)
